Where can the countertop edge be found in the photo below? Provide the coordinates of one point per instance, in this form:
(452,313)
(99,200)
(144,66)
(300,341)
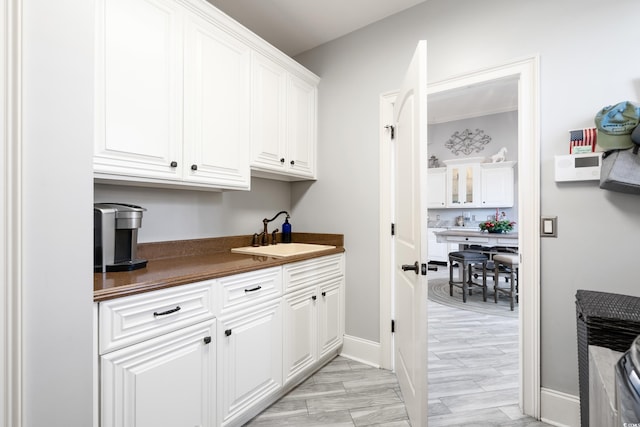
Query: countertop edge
(207,270)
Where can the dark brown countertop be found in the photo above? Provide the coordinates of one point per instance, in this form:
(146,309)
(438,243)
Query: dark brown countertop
(188,261)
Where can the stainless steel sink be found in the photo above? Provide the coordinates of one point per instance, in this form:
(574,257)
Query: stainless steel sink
(282,250)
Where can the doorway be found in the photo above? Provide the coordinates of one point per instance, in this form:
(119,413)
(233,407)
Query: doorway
(527,75)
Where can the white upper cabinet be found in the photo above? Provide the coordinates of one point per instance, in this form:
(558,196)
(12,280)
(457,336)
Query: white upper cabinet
(268,114)
(179,103)
(497,184)
(139,89)
(283,115)
(216,106)
(463,185)
(436,188)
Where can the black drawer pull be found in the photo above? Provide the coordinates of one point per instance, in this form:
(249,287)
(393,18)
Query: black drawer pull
(207,340)
(227,332)
(164,313)
(257,288)
(315,297)
(324,294)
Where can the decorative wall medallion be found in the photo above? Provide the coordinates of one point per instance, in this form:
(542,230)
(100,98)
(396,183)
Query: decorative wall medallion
(467,141)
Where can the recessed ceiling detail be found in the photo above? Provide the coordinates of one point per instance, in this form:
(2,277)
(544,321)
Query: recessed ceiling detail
(467,141)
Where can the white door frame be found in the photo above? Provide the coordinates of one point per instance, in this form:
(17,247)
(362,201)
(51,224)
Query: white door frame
(527,72)
(10,214)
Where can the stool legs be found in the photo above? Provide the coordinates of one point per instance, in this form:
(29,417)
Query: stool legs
(513,284)
(467,279)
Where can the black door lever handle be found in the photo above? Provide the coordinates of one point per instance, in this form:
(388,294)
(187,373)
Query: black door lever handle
(415,267)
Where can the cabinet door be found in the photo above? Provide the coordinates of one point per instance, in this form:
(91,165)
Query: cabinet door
(436,188)
(216,104)
(463,183)
(300,332)
(249,359)
(301,122)
(268,115)
(497,187)
(330,315)
(167,381)
(138,102)
(437,251)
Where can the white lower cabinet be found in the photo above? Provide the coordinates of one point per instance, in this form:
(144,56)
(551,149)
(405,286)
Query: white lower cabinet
(166,381)
(217,352)
(300,326)
(249,361)
(313,314)
(438,251)
(330,316)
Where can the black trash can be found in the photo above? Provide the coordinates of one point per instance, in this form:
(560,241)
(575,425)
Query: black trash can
(628,385)
(606,320)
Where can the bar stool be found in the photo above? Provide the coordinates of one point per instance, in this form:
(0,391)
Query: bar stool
(511,262)
(466,260)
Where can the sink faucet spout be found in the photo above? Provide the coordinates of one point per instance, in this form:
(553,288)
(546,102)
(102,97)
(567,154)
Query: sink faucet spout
(265,232)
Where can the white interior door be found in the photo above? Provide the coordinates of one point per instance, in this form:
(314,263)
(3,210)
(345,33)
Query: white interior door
(410,243)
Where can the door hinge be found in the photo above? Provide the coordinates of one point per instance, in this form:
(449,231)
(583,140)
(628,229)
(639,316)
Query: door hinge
(392,129)
(393,326)
(393,229)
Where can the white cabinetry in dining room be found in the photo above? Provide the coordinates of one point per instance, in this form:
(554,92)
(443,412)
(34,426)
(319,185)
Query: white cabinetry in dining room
(463,184)
(436,188)
(438,252)
(497,184)
(283,121)
(313,313)
(249,343)
(157,355)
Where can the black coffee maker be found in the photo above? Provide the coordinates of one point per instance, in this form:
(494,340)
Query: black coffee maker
(115,237)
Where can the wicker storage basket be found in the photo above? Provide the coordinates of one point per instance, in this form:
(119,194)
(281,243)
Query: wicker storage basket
(606,320)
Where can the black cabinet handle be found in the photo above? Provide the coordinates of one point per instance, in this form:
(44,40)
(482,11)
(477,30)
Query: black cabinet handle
(207,340)
(315,297)
(227,332)
(409,267)
(282,160)
(292,163)
(257,288)
(324,294)
(174,164)
(194,167)
(164,313)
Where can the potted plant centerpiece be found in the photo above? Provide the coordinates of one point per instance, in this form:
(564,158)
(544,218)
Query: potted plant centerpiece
(499,226)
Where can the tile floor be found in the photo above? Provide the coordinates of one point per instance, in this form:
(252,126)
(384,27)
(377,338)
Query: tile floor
(473,381)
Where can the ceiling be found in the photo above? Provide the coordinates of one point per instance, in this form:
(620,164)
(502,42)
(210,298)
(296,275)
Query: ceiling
(492,97)
(295,26)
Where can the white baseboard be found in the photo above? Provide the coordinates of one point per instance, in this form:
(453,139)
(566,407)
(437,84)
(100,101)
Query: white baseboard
(361,350)
(559,409)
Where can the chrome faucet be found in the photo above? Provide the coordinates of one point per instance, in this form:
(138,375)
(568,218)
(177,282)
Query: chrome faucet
(265,232)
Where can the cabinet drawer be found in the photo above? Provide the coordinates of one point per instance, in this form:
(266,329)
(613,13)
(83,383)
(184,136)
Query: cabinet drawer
(470,240)
(313,271)
(129,320)
(243,289)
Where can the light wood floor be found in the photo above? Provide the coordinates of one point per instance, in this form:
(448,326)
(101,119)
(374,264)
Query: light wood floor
(473,381)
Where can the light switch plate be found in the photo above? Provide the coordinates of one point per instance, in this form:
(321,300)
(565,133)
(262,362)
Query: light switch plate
(549,226)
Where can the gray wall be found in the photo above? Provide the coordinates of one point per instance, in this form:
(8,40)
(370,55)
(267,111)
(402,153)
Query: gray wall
(193,214)
(587,62)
